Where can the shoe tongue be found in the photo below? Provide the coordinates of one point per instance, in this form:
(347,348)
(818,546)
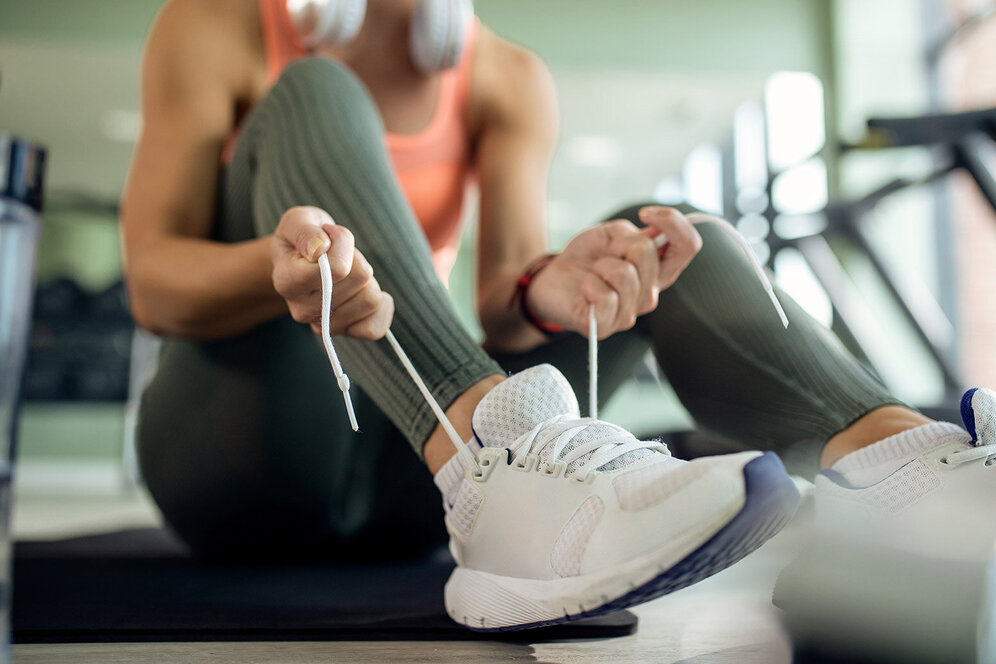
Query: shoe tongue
(978,411)
(520,402)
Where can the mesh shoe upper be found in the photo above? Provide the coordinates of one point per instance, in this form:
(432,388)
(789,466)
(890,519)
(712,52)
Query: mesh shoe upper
(932,500)
(540,399)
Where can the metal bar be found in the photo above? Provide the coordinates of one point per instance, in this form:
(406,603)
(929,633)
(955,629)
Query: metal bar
(928,331)
(851,309)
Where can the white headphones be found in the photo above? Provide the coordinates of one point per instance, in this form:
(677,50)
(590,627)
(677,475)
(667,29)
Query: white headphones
(438,27)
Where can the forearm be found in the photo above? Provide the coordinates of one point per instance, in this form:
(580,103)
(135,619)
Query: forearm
(202,289)
(505,328)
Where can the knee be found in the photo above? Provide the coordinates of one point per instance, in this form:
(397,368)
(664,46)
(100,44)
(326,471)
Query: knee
(316,72)
(315,101)
(321,83)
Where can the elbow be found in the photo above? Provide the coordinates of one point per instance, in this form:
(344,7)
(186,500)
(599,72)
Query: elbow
(152,301)
(148,302)
(151,313)
(143,311)
(139,284)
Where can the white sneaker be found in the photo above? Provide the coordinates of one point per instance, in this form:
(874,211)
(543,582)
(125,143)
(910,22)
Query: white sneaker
(899,566)
(567,518)
(936,494)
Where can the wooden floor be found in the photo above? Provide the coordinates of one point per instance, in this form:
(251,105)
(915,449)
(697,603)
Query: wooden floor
(725,619)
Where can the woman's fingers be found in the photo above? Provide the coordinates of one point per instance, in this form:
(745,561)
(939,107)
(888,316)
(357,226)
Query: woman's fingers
(623,278)
(683,241)
(341,253)
(359,277)
(359,307)
(643,254)
(375,325)
(605,299)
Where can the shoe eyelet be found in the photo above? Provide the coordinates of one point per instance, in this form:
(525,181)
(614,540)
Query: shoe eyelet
(525,463)
(555,469)
(944,460)
(485,466)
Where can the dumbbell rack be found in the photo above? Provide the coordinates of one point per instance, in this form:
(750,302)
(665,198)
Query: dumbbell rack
(80,344)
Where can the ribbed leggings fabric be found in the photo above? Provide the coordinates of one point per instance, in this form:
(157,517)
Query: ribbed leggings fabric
(244,442)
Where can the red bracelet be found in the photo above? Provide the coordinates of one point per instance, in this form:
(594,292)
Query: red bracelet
(519,297)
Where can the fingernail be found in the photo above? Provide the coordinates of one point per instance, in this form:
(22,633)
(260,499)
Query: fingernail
(315,245)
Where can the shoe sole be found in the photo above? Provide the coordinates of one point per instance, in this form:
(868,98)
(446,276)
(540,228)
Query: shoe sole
(770,500)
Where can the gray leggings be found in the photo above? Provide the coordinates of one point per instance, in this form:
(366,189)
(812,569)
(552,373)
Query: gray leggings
(244,442)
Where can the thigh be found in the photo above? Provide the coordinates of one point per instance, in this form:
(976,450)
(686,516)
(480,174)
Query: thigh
(245,446)
(739,372)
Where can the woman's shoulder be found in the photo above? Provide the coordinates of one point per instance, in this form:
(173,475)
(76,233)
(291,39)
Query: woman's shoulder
(210,27)
(219,38)
(502,58)
(508,78)
(222,17)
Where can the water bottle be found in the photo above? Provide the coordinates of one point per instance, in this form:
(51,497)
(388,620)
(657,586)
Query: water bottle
(22,167)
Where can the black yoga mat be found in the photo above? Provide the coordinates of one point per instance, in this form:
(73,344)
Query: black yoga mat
(141,585)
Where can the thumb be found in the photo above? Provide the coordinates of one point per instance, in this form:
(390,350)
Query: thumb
(302,227)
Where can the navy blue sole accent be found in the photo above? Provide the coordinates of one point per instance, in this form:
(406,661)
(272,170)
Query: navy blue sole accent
(770,501)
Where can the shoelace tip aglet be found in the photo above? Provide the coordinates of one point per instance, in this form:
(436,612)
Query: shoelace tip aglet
(341,378)
(343,381)
(350,412)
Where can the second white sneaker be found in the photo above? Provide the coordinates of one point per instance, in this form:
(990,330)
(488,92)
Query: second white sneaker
(931,487)
(565,517)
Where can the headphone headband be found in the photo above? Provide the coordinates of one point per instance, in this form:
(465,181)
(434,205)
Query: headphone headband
(331,22)
(436,40)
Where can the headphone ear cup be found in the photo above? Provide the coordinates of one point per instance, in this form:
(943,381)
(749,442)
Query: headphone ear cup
(438,32)
(326,22)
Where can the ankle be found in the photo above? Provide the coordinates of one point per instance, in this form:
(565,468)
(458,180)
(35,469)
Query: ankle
(876,425)
(438,447)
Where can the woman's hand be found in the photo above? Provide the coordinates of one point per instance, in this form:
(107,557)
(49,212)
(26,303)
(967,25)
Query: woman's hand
(618,268)
(360,309)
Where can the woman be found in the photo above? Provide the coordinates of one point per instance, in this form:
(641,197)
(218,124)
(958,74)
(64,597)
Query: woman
(249,144)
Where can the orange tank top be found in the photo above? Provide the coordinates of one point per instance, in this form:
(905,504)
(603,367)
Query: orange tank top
(433,166)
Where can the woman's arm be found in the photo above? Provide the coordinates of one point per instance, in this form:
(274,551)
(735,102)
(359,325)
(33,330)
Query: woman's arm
(514,109)
(615,267)
(179,282)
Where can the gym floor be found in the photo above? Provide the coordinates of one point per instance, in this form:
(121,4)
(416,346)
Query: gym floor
(727,618)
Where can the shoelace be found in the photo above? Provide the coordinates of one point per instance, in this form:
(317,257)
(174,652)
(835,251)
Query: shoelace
(987,452)
(562,429)
(606,449)
(326,274)
(340,376)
